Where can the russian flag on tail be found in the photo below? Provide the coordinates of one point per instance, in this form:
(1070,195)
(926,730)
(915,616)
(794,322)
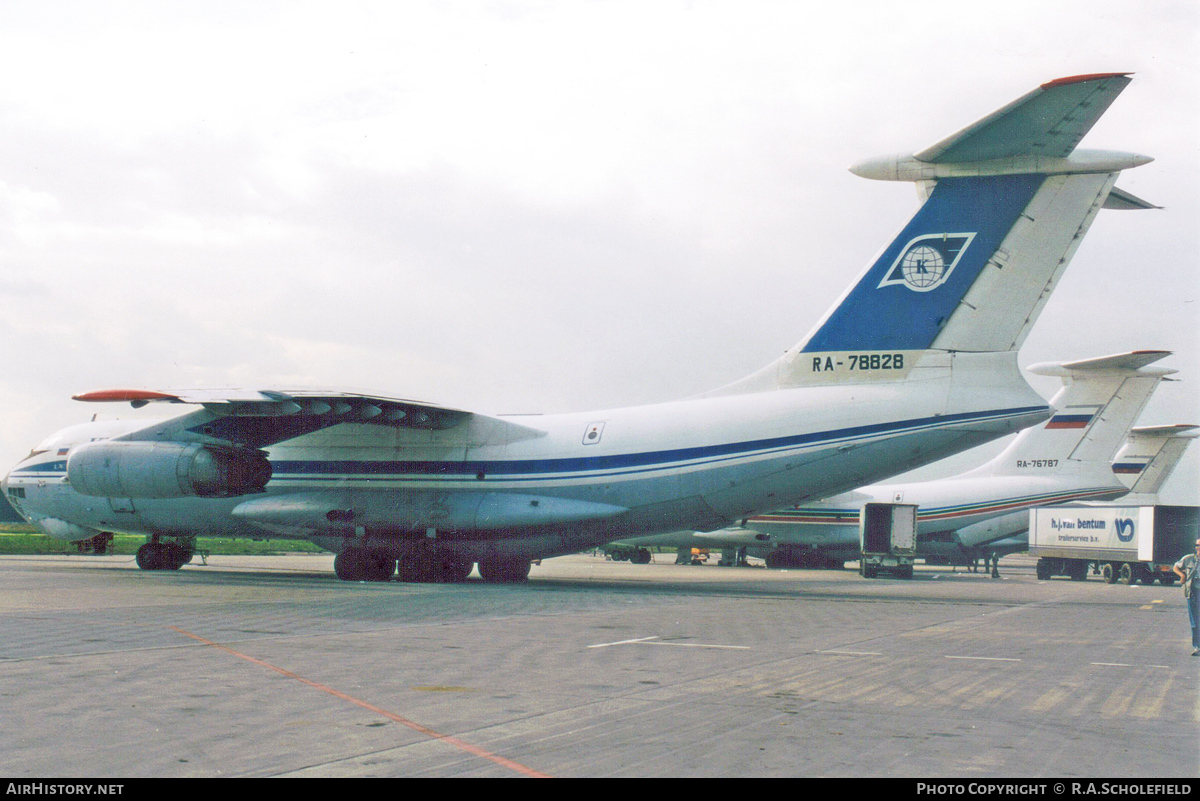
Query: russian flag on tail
(1074,417)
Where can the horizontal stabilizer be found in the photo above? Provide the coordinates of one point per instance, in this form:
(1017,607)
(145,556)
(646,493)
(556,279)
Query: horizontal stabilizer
(1049,121)
(1120,362)
(1150,455)
(1181,429)
(1121,200)
(1035,134)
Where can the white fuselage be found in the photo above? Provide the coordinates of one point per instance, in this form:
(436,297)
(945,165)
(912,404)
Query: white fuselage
(968,511)
(952,515)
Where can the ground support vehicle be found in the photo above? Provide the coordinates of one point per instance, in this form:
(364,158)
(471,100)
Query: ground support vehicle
(887,539)
(629,553)
(1129,544)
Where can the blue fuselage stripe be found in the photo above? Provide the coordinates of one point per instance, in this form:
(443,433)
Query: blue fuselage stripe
(649,460)
(927,514)
(627,461)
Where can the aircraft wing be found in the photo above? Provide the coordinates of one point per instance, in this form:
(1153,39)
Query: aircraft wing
(1049,121)
(257,418)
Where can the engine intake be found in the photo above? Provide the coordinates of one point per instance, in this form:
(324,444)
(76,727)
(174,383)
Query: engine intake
(118,469)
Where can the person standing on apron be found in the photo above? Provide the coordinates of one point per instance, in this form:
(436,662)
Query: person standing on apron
(1185,568)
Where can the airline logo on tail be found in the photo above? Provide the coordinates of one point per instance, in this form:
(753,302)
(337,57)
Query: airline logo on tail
(893,306)
(926,262)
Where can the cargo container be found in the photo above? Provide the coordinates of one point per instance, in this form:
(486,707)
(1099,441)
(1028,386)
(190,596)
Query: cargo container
(1129,544)
(887,538)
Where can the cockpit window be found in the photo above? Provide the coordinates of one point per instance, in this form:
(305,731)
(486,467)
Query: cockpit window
(60,442)
(50,443)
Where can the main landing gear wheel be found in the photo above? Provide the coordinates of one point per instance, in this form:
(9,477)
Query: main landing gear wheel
(642,557)
(380,567)
(162,556)
(348,565)
(356,564)
(504,571)
(148,557)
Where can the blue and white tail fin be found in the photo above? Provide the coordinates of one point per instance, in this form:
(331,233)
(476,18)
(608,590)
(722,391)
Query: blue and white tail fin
(909,294)
(1148,457)
(1098,404)
(1008,201)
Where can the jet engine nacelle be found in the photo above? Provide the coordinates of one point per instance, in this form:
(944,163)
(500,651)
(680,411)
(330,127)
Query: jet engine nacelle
(117,469)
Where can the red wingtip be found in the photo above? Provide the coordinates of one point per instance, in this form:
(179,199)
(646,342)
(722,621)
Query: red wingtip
(1095,76)
(108,395)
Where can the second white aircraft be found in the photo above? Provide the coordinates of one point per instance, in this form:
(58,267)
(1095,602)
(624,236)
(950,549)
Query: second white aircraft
(1086,452)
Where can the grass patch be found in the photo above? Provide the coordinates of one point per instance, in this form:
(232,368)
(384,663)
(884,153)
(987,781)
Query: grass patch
(24,539)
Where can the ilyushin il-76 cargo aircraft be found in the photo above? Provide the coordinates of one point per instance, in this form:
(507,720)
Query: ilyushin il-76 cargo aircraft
(916,361)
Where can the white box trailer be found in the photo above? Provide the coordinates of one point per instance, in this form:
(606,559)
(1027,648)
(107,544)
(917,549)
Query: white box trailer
(887,539)
(1119,543)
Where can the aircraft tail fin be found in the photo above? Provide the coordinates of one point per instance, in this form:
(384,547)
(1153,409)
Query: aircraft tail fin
(1100,400)
(1008,202)
(1150,454)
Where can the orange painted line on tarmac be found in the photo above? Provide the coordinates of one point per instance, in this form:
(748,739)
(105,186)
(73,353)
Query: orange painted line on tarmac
(417,727)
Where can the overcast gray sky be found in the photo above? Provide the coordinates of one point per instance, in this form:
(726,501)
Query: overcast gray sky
(533,206)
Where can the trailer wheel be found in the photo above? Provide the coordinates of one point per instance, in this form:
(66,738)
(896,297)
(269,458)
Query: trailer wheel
(1077,570)
(1044,571)
(1109,571)
(1127,576)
